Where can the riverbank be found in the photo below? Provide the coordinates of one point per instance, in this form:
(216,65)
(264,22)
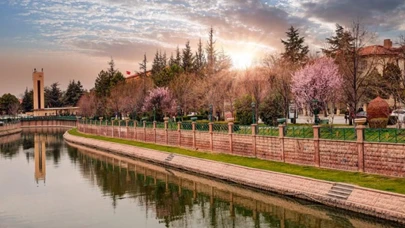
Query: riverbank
(380,204)
(10,131)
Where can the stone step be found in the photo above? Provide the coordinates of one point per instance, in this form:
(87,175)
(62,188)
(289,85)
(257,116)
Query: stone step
(344,190)
(337,192)
(336,196)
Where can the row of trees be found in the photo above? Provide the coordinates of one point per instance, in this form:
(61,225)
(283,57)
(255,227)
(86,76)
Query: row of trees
(53,95)
(194,80)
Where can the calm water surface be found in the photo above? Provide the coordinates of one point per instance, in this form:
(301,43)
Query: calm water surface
(46,183)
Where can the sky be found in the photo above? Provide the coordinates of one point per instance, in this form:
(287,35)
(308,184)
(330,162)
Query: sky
(74,39)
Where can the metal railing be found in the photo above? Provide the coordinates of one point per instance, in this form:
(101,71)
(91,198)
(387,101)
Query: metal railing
(348,134)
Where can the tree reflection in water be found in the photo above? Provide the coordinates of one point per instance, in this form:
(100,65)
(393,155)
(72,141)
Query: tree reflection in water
(199,200)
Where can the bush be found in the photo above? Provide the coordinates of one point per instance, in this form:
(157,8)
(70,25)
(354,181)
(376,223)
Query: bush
(378,123)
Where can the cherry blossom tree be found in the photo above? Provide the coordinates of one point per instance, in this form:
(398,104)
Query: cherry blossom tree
(319,80)
(162,100)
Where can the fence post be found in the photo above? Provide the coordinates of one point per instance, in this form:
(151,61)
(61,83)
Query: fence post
(126,128)
(119,128)
(360,146)
(179,132)
(210,128)
(317,158)
(166,119)
(254,126)
(230,133)
(281,128)
(154,131)
(135,131)
(193,131)
(144,130)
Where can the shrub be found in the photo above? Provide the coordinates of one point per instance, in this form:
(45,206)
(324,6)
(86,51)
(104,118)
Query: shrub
(244,110)
(378,112)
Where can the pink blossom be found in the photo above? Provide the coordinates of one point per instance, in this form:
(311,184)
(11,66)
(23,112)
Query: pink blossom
(160,98)
(320,80)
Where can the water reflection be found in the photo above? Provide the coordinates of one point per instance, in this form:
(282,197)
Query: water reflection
(89,188)
(179,199)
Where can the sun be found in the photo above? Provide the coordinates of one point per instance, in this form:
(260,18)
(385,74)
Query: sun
(242,60)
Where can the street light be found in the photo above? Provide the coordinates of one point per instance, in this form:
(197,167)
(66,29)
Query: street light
(254,112)
(178,112)
(315,110)
(210,113)
(154,113)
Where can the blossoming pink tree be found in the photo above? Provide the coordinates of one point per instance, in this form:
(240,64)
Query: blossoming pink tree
(162,100)
(320,80)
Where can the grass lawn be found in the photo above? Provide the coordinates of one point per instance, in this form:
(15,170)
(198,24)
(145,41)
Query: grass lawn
(365,180)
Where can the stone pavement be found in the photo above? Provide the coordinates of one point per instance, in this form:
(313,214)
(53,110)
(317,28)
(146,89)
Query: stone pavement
(381,204)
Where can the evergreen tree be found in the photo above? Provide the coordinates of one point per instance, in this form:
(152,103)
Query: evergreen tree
(188,58)
(73,93)
(341,43)
(199,61)
(211,52)
(177,60)
(171,60)
(143,69)
(108,79)
(53,96)
(27,103)
(156,68)
(294,49)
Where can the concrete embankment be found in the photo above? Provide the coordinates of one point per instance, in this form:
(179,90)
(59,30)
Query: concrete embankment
(10,132)
(380,204)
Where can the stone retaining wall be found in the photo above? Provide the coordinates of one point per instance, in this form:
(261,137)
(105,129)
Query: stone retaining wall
(376,158)
(381,204)
(48,123)
(9,129)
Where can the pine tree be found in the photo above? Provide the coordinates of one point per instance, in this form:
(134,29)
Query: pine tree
(143,69)
(73,93)
(53,96)
(27,100)
(341,43)
(294,49)
(211,52)
(177,60)
(188,58)
(156,64)
(171,60)
(108,79)
(199,61)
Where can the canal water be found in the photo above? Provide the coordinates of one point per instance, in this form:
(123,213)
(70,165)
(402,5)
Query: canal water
(44,182)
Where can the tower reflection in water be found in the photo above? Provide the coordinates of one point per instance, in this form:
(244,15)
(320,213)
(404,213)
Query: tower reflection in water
(40,157)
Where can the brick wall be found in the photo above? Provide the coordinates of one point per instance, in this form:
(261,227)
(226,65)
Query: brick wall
(386,159)
(338,155)
(378,158)
(268,148)
(299,151)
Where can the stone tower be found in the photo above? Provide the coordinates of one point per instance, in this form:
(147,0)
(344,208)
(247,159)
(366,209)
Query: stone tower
(38,87)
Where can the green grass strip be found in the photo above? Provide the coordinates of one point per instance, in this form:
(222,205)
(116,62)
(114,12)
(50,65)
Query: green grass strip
(378,182)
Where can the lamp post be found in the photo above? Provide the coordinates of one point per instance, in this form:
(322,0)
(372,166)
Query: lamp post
(315,110)
(253,112)
(154,113)
(210,113)
(178,112)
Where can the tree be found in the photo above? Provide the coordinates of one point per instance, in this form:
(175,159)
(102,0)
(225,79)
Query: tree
(53,96)
(161,99)
(254,84)
(108,79)
(199,60)
(243,110)
(211,52)
(346,46)
(320,81)
(188,59)
(271,109)
(88,104)
(393,76)
(294,50)
(165,76)
(73,93)
(27,103)
(9,104)
(143,69)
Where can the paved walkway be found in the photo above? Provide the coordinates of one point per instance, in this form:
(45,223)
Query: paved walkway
(373,202)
